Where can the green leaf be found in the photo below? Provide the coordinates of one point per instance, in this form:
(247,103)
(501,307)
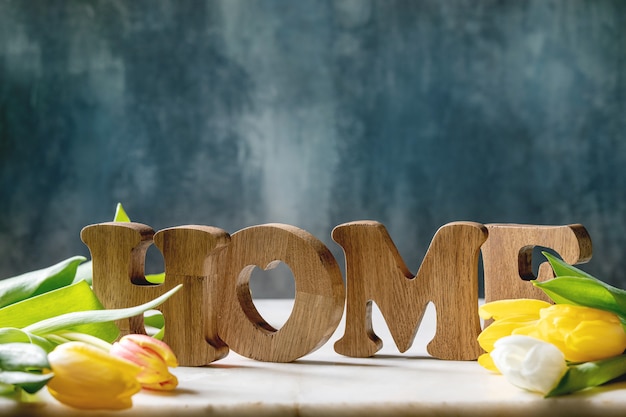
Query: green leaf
(120,214)
(156,278)
(159,335)
(154,323)
(585,292)
(72,298)
(6,389)
(29,381)
(84,272)
(22,357)
(154,318)
(562,268)
(574,286)
(70,320)
(13,335)
(33,283)
(590,374)
(579,291)
(22,365)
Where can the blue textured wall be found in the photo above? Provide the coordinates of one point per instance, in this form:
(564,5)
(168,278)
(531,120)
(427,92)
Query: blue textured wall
(233,113)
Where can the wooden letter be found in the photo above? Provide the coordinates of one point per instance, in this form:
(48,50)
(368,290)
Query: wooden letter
(507,257)
(191,321)
(118,253)
(319,299)
(448,277)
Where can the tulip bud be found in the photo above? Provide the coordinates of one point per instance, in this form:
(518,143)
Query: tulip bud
(583,334)
(88,377)
(529,363)
(153,357)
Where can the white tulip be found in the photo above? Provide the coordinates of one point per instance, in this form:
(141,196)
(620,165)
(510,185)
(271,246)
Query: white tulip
(529,363)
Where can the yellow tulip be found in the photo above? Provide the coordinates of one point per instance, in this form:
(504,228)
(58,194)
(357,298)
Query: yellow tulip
(508,315)
(524,307)
(153,356)
(89,377)
(580,333)
(583,334)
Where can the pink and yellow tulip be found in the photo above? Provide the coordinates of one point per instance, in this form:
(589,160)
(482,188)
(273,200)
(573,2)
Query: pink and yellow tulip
(153,356)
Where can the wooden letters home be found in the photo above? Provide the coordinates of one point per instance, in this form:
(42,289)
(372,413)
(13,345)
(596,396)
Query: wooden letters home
(214,310)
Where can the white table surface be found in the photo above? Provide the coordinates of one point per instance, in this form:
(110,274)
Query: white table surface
(325,383)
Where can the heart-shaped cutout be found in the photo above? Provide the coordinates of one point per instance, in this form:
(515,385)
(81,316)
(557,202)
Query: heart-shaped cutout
(275,282)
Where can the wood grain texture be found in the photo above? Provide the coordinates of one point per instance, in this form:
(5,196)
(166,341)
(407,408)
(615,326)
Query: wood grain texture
(448,277)
(319,293)
(118,253)
(191,319)
(215,311)
(507,257)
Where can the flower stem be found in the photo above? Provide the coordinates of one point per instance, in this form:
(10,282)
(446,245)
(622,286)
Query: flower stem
(590,374)
(86,338)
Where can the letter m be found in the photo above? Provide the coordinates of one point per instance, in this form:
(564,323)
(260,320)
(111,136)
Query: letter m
(448,277)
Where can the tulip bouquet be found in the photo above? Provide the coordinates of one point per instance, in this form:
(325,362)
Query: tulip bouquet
(55,333)
(556,349)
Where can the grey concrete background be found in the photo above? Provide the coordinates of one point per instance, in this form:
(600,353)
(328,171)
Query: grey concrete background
(233,113)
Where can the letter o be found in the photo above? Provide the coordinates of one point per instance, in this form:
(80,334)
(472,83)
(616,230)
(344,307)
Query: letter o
(319,299)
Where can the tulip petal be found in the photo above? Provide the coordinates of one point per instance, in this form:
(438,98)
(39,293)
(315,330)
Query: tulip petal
(485,360)
(517,307)
(153,356)
(582,333)
(157,346)
(529,363)
(88,377)
(503,327)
